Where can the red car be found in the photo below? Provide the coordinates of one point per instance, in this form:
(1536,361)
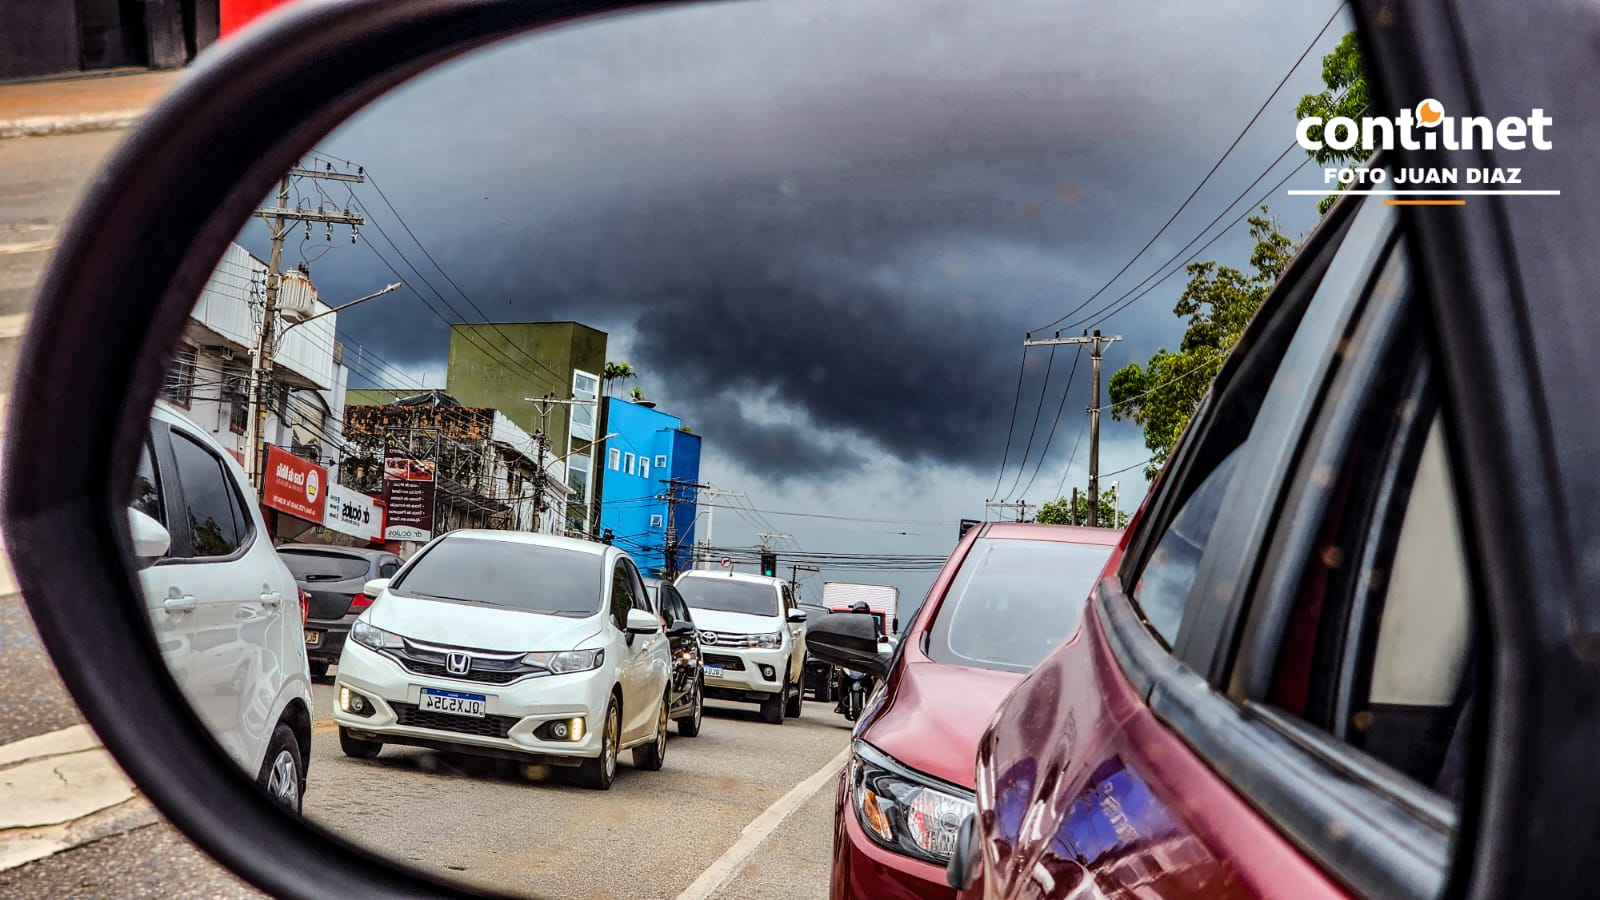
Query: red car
(1273,691)
(1008,595)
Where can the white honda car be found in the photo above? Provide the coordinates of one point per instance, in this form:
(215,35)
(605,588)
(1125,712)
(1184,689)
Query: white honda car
(505,643)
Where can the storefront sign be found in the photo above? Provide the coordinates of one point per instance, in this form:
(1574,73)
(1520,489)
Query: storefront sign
(351,512)
(293,485)
(408,496)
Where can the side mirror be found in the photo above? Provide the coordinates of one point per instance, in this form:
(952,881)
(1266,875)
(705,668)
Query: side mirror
(681,628)
(151,540)
(798,615)
(848,641)
(375,587)
(641,622)
(962,870)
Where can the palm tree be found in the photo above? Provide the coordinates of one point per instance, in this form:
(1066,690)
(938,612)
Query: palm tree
(615,373)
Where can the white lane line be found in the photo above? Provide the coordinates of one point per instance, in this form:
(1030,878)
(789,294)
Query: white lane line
(760,829)
(13,325)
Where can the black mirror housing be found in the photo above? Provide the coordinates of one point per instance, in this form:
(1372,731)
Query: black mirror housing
(850,641)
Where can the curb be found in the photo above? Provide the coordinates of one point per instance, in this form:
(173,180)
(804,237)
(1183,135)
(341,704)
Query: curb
(44,126)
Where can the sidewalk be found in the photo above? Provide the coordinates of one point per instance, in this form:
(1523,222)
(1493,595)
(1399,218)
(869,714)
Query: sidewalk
(79,104)
(59,791)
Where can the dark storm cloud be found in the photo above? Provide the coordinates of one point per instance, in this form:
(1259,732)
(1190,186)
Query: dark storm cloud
(850,211)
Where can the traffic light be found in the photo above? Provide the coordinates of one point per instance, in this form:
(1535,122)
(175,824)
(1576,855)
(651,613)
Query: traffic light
(769,564)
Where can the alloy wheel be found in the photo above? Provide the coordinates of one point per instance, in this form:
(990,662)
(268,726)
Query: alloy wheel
(661,730)
(610,740)
(283,781)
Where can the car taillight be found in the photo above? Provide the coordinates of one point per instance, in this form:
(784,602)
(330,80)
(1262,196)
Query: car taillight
(305,606)
(358,603)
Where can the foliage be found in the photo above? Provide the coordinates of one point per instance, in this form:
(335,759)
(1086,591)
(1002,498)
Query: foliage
(615,373)
(637,394)
(1346,95)
(1059,511)
(1219,302)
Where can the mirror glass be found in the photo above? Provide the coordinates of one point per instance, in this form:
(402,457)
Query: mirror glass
(740,291)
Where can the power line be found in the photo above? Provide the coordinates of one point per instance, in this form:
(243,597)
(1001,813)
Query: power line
(1022,369)
(1074,455)
(1033,429)
(1192,194)
(1043,454)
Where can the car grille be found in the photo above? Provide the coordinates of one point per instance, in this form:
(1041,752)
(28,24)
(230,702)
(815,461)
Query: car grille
(431,670)
(730,663)
(485,666)
(488,726)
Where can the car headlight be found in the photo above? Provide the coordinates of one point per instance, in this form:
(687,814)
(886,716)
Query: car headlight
(567,661)
(768,641)
(906,811)
(368,635)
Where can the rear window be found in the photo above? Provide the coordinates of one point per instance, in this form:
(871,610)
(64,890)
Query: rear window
(508,574)
(312,566)
(728,595)
(1013,602)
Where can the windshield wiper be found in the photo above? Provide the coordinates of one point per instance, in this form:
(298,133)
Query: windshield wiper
(443,597)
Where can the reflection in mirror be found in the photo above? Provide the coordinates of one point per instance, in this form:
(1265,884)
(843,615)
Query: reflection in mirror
(737,291)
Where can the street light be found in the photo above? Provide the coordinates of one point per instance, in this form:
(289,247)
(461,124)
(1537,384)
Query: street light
(328,312)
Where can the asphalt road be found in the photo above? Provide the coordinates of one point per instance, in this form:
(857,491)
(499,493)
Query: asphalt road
(524,830)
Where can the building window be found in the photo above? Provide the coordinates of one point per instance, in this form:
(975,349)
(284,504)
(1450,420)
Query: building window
(656,521)
(616,459)
(584,387)
(179,386)
(644,467)
(236,393)
(628,464)
(661,460)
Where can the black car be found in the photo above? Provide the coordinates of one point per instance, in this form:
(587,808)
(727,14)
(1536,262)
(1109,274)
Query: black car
(334,577)
(686,689)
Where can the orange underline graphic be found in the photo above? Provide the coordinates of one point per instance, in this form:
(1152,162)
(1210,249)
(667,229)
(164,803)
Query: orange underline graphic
(1424,203)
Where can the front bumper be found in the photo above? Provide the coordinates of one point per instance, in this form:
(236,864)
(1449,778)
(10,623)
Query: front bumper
(863,870)
(513,712)
(747,681)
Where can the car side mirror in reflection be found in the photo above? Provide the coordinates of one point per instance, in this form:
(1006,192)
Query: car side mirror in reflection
(848,641)
(641,622)
(962,870)
(151,540)
(375,587)
(798,615)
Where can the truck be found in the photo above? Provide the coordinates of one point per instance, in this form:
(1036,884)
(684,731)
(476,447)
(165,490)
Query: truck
(882,599)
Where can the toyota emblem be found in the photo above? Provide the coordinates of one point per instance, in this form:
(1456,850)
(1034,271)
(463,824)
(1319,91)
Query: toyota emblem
(708,637)
(457,663)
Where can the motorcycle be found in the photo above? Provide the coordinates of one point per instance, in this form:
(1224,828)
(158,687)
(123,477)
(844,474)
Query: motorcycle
(854,689)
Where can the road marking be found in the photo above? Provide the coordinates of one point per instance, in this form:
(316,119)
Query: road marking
(760,829)
(13,325)
(27,247)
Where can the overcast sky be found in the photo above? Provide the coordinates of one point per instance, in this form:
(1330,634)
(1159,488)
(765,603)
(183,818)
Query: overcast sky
(820,230)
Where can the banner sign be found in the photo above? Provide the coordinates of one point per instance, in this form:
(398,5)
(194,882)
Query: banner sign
(408,496)
(293,485)
(351,512)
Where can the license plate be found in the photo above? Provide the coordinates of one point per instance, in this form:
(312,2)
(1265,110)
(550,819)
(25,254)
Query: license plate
(713,671)
(313,639)
(453,703)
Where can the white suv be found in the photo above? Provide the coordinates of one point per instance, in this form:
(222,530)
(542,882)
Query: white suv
(505,643)
(752,638)
(225,610)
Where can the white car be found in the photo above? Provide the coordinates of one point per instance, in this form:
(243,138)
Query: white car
(506,643)
(225,609)
(752,639)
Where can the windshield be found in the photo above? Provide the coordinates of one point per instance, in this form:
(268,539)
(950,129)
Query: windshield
(310,565)
(508,574)
(1013,602)
(728,595)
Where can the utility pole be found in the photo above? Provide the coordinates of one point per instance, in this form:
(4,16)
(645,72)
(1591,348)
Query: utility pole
(1019,506)
(1074,504)
(711,509)
(279,220)
(794,576)
(545,405)
(669,564)
(1096,344)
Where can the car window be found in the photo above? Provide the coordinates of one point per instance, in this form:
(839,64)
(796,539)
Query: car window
(730,595)
(622,598)
(212,506)
(641,597)
(147,488)
(1012,602)
(506,573)
(679,612)
(316,565)
(1163,586)
(388,568)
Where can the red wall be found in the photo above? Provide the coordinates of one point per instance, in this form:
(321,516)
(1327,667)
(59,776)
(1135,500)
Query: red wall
(238,13)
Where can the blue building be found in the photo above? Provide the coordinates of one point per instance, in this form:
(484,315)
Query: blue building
(650,449)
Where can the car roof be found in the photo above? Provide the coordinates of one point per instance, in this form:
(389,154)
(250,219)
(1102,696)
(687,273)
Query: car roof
(745,577)
(1066,534)
(528,537)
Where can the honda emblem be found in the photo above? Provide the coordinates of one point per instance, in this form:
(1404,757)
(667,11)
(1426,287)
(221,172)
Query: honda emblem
(457,663)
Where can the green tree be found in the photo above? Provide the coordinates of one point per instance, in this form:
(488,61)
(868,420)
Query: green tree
(1345,95)
(637,394)
(615,374)
(1060,511)
(1219,302)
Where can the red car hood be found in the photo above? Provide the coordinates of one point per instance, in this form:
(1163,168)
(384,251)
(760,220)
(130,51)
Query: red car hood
(936,716)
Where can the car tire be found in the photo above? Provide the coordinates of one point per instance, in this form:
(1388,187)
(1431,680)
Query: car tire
(797,698)
(689,726)
(650,757)
(283,772)
(356,747)
(597,774)
(319,668)
(772,707)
